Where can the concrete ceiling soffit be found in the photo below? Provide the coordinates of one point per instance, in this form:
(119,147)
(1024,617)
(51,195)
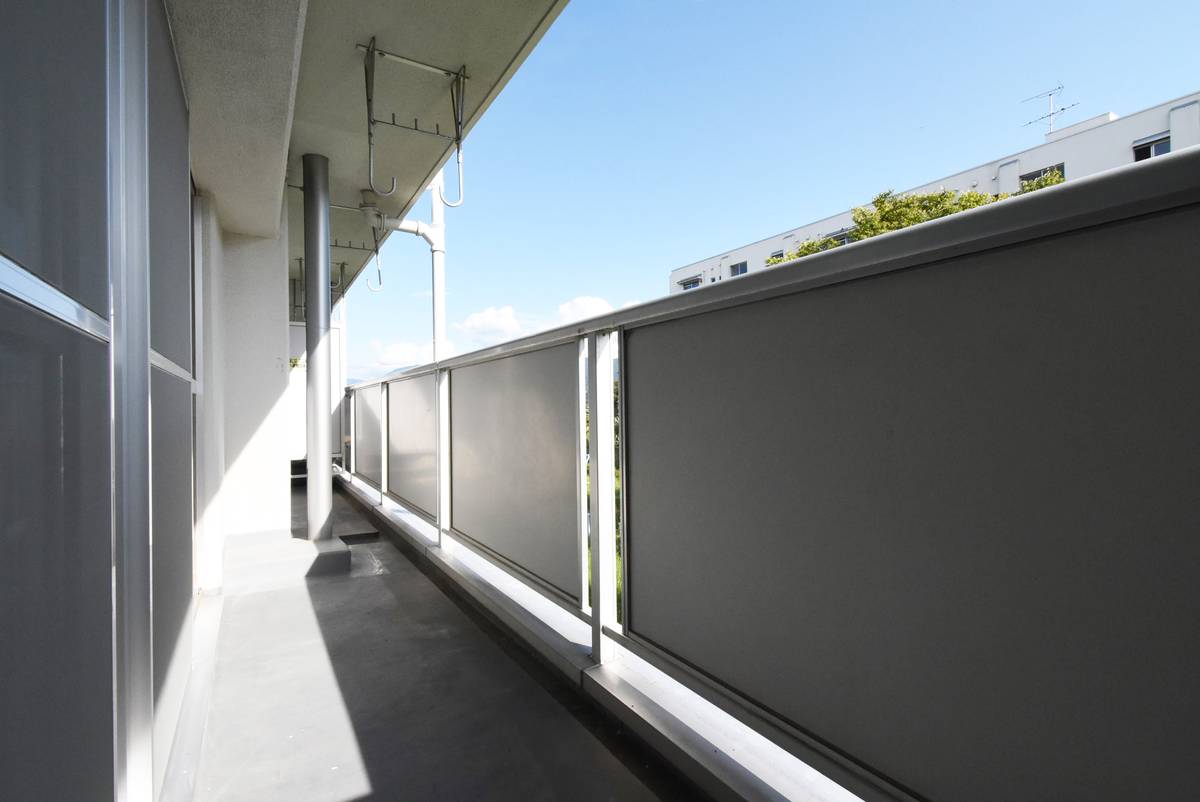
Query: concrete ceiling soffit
(240,63)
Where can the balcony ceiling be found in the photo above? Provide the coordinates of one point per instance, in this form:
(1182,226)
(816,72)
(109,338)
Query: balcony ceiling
(239,63)
(272,80)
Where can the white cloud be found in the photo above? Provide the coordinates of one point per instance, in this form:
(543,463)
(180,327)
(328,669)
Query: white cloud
(386,357)
(400,354)
(487,327)
(628,304)
(490,326)
(582,307)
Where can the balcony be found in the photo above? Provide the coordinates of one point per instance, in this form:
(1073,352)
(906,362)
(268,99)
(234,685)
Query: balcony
(909,519)
(885,511)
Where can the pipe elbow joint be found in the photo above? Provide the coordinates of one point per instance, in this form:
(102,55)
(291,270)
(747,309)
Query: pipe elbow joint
(374,215)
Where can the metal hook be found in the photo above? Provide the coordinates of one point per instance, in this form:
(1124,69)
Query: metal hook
(378,267)
(378,277)
(369,76)
(457,103)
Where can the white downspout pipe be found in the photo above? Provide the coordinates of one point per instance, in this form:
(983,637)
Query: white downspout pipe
(434,233)
(437,247)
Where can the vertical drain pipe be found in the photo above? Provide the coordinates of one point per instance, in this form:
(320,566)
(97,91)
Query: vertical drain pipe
(316,336)
(437,247)
(434,233)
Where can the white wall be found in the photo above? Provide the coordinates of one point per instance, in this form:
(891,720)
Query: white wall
(256,491)
(1185,125)
(1088,147)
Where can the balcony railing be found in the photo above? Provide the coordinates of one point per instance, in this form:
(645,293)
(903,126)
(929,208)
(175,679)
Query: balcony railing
(923,507)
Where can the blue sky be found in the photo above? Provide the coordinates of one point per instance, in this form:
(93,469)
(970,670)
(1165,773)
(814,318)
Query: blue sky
(641,135)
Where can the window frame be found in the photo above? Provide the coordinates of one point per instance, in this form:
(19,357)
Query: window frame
(843,236)
(1150,147)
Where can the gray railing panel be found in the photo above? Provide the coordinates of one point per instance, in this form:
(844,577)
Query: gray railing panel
(412,441)
(944,518)
(513,452)
(368,445)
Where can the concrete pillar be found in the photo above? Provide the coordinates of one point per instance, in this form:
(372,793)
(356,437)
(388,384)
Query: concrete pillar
(316,304)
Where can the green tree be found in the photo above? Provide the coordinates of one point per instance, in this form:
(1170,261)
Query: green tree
(806,248)
(892,211)
(1047,179)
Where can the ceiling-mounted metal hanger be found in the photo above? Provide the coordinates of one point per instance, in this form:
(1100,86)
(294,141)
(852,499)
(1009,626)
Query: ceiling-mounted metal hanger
(369,75)
(378,267)
(457,103)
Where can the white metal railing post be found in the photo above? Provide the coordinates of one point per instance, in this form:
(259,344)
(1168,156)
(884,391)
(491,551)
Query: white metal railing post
(581,472)
(352,399)
(442,416)
(602,509)
(383,440)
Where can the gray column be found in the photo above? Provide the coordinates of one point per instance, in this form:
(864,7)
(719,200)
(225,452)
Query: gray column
(316,316)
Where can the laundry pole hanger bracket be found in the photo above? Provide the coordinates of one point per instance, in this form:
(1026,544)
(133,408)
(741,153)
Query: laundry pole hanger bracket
(412,62)
(369,76)
(415,128)
(458,94)
(375,236)
(458,87)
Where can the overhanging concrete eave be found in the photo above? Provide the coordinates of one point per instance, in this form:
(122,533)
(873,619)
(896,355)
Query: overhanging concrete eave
(240,65)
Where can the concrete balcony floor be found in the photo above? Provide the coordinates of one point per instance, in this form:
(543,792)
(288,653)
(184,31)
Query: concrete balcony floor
(381,685)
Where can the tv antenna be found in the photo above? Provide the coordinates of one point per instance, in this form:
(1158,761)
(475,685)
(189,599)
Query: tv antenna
(1051,96)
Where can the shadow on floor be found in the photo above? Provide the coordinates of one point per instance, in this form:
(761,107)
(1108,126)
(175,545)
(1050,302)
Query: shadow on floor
(382,685)
(446,706)
(348,523)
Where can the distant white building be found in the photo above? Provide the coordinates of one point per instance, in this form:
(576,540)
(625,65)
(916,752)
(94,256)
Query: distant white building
(1087,147)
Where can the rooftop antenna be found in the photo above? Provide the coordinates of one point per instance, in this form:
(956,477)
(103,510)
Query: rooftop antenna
(1051,112)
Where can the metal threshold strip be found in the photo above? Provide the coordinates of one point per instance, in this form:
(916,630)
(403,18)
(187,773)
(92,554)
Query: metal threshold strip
(20,284)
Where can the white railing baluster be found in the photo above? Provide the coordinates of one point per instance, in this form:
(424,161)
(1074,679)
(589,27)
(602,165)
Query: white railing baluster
(383,440)
(443,457)
(581,473)
(602,510)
